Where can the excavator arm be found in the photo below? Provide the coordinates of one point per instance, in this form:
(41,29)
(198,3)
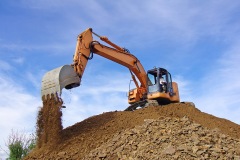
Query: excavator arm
(70,76)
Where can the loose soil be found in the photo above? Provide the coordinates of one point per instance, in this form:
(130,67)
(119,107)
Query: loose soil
(49,123)
(77,141)
(168,138)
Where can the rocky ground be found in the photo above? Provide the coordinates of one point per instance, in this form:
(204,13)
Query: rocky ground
(168,138)
(174,131)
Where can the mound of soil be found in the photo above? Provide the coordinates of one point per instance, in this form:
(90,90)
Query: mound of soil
(168,138)
(79,140)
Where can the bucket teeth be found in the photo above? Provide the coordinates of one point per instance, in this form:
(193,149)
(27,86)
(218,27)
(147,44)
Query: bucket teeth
(55,80)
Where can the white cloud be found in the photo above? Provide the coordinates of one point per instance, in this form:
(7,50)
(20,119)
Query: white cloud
(18,109)
(34,79)
(51,48)
(219,91)
(182,22)
(4,66)
(184,88)
(18,60)
(98,94)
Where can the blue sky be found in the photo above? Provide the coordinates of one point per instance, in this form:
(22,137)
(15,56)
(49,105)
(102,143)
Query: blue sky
(197,41)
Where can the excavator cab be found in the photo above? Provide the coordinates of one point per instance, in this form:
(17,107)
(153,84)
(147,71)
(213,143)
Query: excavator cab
(159,80)
(160,90)
(161,87)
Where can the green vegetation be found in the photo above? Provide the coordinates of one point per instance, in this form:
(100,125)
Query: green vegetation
(20,144)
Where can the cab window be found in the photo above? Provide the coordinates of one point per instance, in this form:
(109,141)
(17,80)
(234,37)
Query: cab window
(151,79)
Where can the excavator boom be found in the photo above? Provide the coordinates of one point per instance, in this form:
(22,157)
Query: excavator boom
(69,76)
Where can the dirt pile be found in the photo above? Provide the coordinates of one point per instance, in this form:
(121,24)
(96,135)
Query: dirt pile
(99,133)
(168,138)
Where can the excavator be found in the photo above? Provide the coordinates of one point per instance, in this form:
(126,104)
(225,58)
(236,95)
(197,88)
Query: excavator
(153,87)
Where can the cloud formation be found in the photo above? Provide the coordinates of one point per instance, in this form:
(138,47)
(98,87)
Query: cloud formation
(18,109)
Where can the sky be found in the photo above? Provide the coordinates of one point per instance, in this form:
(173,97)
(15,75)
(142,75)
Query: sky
(198,42)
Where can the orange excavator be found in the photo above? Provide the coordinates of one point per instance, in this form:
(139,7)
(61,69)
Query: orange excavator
(156,86)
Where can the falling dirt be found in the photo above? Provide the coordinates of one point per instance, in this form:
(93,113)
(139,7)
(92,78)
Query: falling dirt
(79,140)
(49,124)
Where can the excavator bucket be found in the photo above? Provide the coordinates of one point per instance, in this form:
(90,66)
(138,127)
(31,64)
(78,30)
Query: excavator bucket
(55,80)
